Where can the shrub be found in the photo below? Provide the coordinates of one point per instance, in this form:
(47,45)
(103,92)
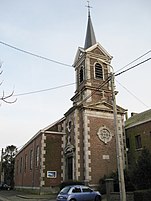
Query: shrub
(128,184)
(141,172)
(142,195)
(102,185)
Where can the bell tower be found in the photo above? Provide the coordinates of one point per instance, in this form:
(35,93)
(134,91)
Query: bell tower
(90,144)
(92,69)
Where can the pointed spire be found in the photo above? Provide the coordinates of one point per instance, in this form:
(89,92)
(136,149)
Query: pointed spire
(90,36)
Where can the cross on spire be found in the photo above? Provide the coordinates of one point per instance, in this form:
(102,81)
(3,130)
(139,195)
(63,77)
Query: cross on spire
(90,35)
(89,7)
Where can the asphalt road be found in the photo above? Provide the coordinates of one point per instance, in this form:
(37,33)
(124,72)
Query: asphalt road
(13,195)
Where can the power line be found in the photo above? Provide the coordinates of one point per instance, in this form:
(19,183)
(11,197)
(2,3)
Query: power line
(99,87)
(132,94)
(61,86)
(134,61)
(35,55)
(109,78)
(132,67)
(43,90)
(60,63)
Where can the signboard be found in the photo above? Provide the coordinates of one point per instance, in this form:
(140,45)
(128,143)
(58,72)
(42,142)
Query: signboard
(51,174)
(106,157)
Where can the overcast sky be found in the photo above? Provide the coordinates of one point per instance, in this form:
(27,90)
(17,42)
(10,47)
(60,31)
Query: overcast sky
(55,29)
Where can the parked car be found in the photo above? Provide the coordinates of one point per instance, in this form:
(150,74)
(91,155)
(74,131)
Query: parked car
(78,193)
(4,186)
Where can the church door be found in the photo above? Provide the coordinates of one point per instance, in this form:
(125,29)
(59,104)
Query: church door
(70,168)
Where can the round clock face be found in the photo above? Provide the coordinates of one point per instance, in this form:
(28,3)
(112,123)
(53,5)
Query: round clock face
(104,134)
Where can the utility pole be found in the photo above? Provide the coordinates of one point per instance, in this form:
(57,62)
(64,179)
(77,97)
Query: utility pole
(118,147)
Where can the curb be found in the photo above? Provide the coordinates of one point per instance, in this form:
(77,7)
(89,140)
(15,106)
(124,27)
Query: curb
(37,196)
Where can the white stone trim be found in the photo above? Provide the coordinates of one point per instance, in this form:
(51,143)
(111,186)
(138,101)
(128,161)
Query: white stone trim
(77,148)
(87,69)
(62,153)
(87,153)
(99,114)
(88,77)
(43,152)
(87,94)
(27,187)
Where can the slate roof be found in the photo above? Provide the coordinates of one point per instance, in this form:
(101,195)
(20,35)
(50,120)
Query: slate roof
(138,119)
(90,39)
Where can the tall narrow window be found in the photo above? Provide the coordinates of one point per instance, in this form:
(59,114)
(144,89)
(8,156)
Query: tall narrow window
(25,162)
(37,156)
(98,71)
(31,159)
(21,164)
(138,142)
(17,166)
(128,143)
(81,77)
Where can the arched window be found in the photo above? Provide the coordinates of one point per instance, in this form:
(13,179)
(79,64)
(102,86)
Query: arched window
(81,76)
(98,71)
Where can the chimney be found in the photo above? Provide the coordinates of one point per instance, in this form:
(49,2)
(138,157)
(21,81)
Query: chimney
(133,114)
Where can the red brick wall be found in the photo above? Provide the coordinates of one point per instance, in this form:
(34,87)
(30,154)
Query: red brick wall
(53,158)
(26,176)
(100,166)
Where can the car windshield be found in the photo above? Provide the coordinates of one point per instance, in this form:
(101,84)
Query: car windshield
(65,190)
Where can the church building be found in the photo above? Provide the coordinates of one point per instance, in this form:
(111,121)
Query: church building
(82,145)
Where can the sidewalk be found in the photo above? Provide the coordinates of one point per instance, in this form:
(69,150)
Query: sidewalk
(20,196)
(37,197)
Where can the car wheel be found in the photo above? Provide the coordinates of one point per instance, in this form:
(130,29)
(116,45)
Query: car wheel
(98,198)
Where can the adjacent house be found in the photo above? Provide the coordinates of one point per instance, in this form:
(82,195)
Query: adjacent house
(138,135)
(80,146)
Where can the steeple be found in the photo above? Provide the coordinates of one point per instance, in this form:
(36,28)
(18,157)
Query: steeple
(92,66)
(90,36)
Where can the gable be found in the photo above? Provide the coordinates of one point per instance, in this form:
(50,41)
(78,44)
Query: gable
(79,55)
(103,105)
(99,50)
(56,126)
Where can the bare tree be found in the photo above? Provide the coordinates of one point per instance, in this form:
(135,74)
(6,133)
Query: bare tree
(6,98)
